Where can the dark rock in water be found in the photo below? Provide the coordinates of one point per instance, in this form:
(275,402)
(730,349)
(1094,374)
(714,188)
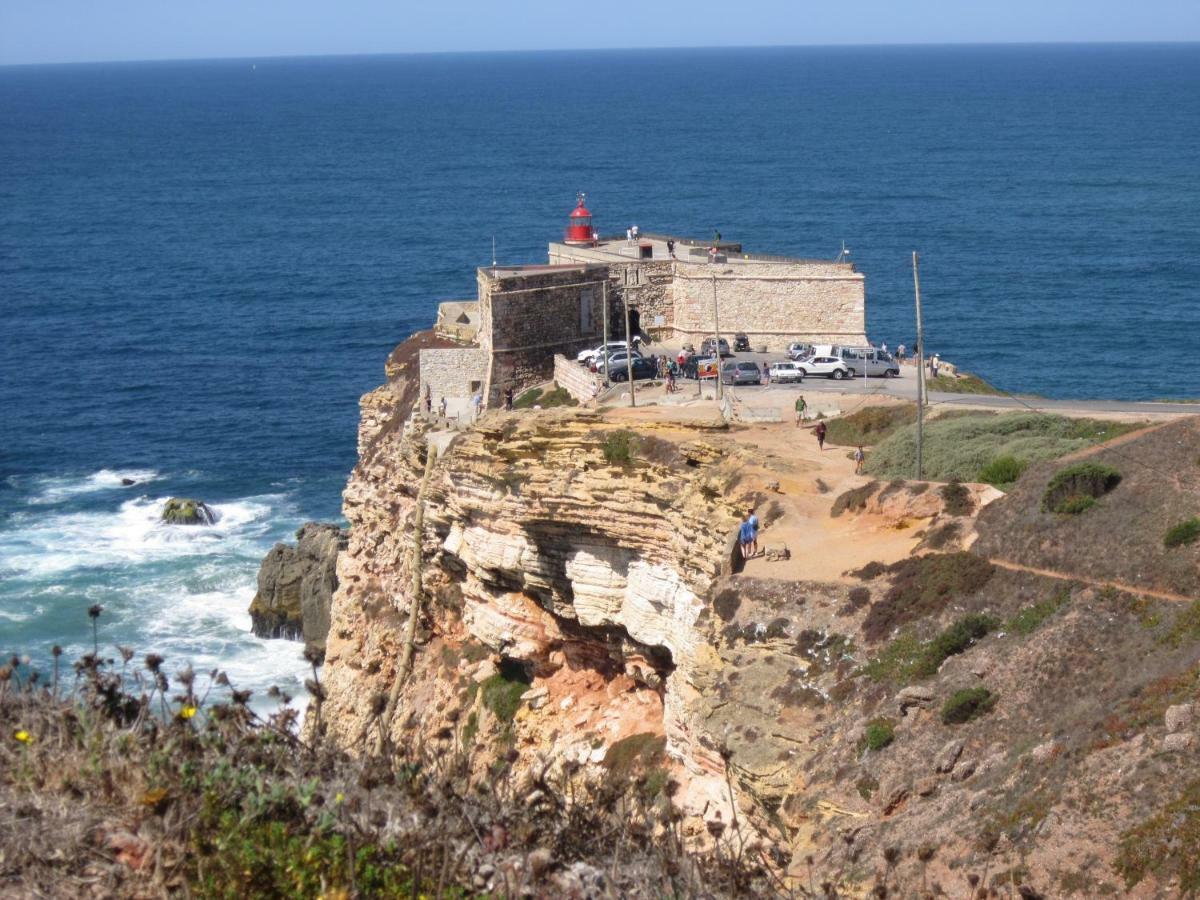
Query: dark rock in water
(128,482)
(185,511)
(296,585)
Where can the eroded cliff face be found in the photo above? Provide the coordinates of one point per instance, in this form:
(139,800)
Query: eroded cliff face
(581,616)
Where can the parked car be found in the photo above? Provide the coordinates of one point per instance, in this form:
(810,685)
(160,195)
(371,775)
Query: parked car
(799,351)
(874,362)
(709,347)
(741,343)
(830,366)
(588,356)
(642,369)
(741,373)
(784,372)
(617,357)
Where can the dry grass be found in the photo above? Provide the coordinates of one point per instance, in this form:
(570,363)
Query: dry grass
(130,784)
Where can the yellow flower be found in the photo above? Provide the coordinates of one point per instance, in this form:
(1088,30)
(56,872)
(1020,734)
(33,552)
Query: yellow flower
(187,712)
(339,797)
(24,736)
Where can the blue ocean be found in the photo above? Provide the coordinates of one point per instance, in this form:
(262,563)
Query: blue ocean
(204,264)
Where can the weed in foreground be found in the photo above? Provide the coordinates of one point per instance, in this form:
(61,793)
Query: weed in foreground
(1184,533)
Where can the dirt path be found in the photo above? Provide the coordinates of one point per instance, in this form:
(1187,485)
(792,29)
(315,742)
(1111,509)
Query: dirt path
(1094,582)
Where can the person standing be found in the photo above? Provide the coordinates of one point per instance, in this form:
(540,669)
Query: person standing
(716,236)
(670,248)
(753,520)
(477,403)
(801,409)
(900,354)
(819,431)
(508,399)
(859,456)
(746,536)
(933,365)
(883,347)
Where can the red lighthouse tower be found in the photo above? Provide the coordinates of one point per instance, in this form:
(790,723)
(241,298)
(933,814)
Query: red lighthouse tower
(579,228)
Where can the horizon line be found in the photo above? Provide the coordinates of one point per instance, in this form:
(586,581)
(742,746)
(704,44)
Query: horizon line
(638,49)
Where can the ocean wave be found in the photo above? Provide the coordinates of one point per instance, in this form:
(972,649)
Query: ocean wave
(57,488)
(42,545)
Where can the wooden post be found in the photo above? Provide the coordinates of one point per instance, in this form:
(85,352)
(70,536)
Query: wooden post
(604,308)
(717,334)
(920,368)
(628,346)
(414,609)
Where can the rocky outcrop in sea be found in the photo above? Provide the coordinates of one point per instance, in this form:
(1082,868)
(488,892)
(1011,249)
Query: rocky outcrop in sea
(296,585)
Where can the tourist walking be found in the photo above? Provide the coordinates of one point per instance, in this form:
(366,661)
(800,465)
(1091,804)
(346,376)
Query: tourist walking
(819,431)
(859,456)
(746,536)
(801,409)
(900,354)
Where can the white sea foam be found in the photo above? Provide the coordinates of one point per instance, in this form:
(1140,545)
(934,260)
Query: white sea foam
(56,489)
(43,545)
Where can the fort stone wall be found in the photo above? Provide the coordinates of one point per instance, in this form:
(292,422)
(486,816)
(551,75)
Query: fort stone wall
(454,373)
(528,314)
(773,303)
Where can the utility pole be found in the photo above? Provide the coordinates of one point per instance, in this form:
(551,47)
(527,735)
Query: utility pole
(629,346)
(604,312)
(717,334)
(920,368)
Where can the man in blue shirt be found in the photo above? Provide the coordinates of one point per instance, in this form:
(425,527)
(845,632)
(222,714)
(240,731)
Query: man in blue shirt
(746,537)
(752,519)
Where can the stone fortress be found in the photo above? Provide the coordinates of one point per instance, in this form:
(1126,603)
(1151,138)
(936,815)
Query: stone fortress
(678,291)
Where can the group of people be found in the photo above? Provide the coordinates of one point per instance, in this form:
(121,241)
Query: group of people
(748,535)
(821,429)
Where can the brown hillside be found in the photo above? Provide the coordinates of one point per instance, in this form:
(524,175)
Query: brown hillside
(1120,538)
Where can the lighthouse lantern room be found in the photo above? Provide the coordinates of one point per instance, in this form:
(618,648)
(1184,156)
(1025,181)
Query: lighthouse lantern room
(579,227)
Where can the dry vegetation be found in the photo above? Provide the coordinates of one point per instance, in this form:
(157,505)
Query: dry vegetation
(118,780)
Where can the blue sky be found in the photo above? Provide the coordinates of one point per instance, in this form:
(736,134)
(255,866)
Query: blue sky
(91,30)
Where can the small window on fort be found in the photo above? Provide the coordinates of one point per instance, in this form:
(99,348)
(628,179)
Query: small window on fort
(476,386)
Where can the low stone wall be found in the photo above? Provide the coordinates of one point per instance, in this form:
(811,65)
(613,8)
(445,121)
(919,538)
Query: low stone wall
(575,379)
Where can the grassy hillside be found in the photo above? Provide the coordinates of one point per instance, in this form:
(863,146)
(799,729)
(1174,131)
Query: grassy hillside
(966,446)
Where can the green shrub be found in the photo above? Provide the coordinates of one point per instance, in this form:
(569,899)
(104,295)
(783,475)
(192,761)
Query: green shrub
(1067,489)
(528,399)
(638,752)
(1167,844)
(502,692)
(1028,619)
(1183,533)
(1001,471)
(967,704)
(959,446)
(879,733)
(924,585)
(954,640)
(906,658)
(619,447)
(853,500)
(957,499)
(869,425)
(1073,506)
(962,383)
